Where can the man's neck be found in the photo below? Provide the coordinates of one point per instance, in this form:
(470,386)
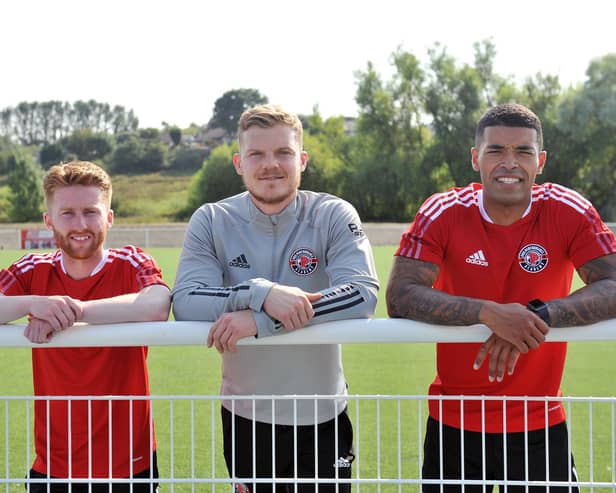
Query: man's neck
(271,209)
(77,268)
(503,214)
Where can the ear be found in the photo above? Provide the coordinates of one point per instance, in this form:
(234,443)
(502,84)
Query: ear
(47,220)
(475,158)
(543,157)
(237,163)
(303,158)
(110,218)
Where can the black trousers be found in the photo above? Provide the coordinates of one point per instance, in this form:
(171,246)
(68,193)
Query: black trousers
(43,486)
(330,460)
(560,461)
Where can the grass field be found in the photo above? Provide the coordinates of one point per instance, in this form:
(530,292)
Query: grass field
(375,369)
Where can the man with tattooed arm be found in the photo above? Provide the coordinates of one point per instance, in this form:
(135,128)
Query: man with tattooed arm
(502,253)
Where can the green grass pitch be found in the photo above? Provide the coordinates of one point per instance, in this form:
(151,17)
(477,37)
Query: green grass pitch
(374,369)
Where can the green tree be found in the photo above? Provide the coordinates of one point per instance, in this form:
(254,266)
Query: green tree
(51,154)
(587,120)
(87,145)
(127,156)
(229,107)
(383,178)
(175,134)
(25,183)
(455,98)
(324,170)
(216,180)
(154,157)
(188,159)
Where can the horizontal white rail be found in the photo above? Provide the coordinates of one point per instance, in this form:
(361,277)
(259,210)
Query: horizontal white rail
(354,331)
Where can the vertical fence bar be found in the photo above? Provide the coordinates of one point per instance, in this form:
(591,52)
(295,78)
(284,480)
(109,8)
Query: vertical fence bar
(505,462)
(28,461)
(526,444)
(254,443)
(213,441)
(69,428)
(378,443)
(89,406)
(591,458)
(131,438)
(7,472)
(569,449)
(440,444)
(420,425)
(316,442)
(171,445)
(462,451)
(192,443)
(357,449)
(612,443)
(484,451)
(274,471)
(110,470)
(398,428)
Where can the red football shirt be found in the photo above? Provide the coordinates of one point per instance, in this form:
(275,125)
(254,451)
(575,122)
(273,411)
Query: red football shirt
(96,371)
(532,258)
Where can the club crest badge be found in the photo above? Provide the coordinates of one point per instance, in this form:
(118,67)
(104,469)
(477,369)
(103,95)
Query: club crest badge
(303,262)
(533,258)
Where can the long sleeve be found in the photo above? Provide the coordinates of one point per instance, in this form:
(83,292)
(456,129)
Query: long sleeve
(199,292)
(353,282)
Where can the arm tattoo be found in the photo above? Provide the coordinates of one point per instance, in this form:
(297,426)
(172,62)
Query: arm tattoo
(410,295)
(594,302)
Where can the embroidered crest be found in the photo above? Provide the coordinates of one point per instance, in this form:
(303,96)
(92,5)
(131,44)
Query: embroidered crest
(533,258)
(303,262)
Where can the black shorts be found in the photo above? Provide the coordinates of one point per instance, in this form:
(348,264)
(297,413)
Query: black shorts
(41,486)
(561,465)
(330,462)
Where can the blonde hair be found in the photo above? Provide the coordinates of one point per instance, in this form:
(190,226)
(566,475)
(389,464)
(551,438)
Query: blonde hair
(82,173)
(269,115)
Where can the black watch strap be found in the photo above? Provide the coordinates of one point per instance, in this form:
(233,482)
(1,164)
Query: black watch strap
(539,308)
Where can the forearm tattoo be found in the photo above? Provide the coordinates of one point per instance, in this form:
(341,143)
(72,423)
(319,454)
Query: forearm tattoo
(410,295)
(594,302)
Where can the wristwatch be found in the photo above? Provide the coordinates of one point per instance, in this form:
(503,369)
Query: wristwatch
(539,308)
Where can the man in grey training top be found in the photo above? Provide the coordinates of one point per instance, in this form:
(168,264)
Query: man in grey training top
(266,261)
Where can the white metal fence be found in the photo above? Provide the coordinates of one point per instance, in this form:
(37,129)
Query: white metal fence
(389,429)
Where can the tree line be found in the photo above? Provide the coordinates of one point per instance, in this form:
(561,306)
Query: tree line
(411,137)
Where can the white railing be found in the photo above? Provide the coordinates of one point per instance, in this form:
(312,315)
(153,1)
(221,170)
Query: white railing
(388,428)
(355,331)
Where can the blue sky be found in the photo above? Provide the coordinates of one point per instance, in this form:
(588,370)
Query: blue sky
(171,60)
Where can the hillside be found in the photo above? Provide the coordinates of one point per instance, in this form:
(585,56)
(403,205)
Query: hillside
(149,198)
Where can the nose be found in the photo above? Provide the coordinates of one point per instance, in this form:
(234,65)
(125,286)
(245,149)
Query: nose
(270,161)
(79,222)
(509,158)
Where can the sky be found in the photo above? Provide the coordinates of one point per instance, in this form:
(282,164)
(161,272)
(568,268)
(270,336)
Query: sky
(170,61)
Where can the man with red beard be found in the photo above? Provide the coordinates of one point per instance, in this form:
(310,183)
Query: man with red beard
(84,282)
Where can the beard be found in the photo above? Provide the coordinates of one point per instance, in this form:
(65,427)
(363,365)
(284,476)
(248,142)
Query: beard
(273,197)
(63,242)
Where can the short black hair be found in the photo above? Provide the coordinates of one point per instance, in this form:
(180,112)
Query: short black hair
(509,115)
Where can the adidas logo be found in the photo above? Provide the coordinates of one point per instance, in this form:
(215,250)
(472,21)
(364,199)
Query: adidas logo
(477,258)
(240,262)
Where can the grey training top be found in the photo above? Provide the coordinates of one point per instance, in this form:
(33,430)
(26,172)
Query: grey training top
(231,257)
